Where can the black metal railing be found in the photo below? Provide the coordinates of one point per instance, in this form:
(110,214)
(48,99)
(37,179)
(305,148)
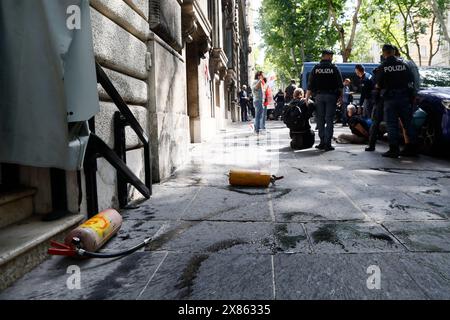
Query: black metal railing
(97,148)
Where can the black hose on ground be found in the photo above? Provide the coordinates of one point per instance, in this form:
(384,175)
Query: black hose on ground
(109,255)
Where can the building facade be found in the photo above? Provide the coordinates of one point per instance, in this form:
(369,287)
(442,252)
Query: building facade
(178,64)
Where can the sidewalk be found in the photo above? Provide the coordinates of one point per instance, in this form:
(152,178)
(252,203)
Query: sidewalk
(317,234)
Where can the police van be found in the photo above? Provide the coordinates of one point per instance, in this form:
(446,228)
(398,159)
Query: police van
(347,70)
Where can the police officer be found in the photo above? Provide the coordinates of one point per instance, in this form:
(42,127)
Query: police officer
(326,85)
(395,81)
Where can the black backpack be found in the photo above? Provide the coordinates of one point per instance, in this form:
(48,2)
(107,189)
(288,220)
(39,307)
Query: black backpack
(296,116)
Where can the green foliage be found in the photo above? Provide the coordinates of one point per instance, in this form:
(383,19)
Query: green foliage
(295,31)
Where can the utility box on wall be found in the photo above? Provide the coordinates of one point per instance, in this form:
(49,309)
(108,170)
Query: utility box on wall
(165,21)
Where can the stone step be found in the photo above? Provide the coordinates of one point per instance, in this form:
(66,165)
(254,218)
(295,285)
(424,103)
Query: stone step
(24,245)
(15,205)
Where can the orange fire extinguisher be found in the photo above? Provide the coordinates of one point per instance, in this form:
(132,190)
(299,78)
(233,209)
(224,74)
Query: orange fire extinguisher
(93,234)
(252,178)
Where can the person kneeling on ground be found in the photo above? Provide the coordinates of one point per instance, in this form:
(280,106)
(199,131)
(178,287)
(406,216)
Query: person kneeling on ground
(296,117)
(359,126)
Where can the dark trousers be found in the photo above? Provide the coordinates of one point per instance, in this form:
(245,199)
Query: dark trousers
(244,112)
(395,108)
(377,117)
(344,116)
(325,112)
(252,110)
(368,108)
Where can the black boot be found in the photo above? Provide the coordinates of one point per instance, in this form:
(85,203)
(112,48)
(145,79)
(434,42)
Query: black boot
(321,146)
(410,150)
(328,148)
(394,152)
(370,148)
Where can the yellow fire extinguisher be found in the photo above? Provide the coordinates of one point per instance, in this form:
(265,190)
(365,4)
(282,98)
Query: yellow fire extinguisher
(252,178)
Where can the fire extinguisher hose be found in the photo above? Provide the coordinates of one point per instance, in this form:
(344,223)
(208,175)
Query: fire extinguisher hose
(109,255)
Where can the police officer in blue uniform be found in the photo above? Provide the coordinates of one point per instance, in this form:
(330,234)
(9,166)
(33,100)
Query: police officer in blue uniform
(396,83)
(326,86)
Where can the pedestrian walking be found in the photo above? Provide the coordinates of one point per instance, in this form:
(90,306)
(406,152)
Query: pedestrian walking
(243,102)
(396,83)
(326,85)
(259,93)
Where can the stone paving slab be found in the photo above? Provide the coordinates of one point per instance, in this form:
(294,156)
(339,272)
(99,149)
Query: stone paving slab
(167,203)
(351,238)
(342,277)
(121,279)
(384,203)
(430,236)
(232,238)
(229,204)
(315,203)
(212,276)
(431,272)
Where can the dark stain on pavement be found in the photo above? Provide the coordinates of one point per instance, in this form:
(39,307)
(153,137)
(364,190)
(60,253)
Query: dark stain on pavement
(327,233)
(157,243)
(224,245)
(106,288)
(186,281)
(287,241)
(301,170)
(409,170)
(278,192)
(382,237)
(433,192)
(248,191)
(394,205)
(301,215)
(138,224)
(281,192)
(331,233)
(433,204)
(125,236)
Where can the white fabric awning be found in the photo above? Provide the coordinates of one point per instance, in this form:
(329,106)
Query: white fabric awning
(47,80)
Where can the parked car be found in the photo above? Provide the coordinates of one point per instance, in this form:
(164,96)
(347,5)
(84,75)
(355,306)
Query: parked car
(434,99)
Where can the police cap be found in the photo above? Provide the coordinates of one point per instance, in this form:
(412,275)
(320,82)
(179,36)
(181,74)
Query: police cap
(327,51)
(388,48)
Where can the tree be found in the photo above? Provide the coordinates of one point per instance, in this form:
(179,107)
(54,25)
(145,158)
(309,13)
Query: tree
(294,32)
(346,45)
(438,7)
(403,23)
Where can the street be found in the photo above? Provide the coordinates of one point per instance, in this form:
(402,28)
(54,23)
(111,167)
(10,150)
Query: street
(341,225)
